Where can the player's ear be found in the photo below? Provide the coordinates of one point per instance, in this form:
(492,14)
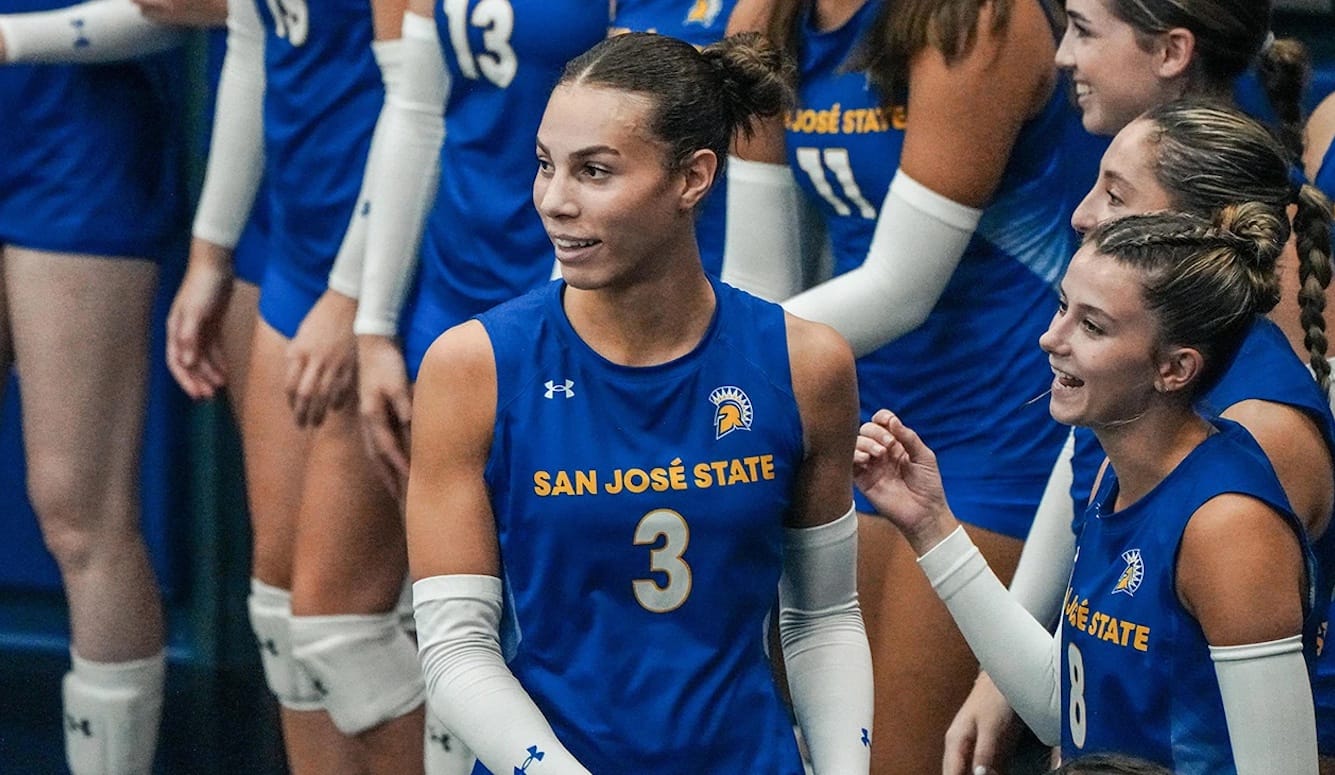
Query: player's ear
(697,173)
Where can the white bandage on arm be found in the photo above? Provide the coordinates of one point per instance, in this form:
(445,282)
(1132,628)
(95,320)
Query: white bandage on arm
(824,641)
(1020,655)
(405,178)
(95,31)
(1268,704)
(468,685)
(236,150)
(1049,551)
(920,237)
(762,248)
(345,276)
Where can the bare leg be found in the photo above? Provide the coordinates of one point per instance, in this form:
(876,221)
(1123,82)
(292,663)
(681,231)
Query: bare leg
(238,329)
(275,457)
(351,559)
(79,326)
(922,668)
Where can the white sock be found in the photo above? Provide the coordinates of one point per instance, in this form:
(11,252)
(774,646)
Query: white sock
(112,710)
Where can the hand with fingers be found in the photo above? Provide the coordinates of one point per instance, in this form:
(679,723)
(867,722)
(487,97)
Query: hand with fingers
(185,13)
(898,474)
(194,323)
(984,733)
(386,405)
(322,360)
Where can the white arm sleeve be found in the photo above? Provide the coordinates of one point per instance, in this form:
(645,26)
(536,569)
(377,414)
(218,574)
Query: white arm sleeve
(1020,655)
(468,685)
(95,31)
(345,276)
(919,239)
(762,247)
(1268,705)
(1049,552)
(405,177)
(236,150)
(825,648)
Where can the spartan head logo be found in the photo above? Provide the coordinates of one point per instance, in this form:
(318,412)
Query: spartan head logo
(704,12)
(732,410)
(1130,579)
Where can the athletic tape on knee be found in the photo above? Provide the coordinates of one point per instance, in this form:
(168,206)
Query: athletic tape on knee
(365,667)
(111,713)
(271,621)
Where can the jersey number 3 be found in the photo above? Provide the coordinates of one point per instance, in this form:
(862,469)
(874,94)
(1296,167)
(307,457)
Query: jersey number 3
(669,528)
(496,18)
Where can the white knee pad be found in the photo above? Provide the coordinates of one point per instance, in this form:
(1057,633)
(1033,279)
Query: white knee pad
(112,712)
(364,665)
(271,621)
(446,754)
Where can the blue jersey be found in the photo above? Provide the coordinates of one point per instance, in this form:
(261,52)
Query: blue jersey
(698,22)
(323,95)
(1137,676)
(484,242)
(640,515)
(1325,175)
(92,156)
(251,249)
(965,379)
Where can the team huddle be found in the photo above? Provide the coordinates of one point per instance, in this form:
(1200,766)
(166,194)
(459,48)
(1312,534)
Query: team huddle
(686,386)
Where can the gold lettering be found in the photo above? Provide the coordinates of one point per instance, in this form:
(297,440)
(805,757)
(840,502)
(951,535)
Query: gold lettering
(542,483)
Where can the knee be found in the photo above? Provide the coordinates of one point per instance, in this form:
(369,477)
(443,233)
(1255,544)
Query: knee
(79,518)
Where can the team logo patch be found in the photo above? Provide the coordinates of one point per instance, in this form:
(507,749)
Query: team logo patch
(732,410)
(566,388)
(704,12)
(1131,577)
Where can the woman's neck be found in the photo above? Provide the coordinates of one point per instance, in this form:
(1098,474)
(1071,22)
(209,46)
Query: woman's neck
(1145,451)
(646,323)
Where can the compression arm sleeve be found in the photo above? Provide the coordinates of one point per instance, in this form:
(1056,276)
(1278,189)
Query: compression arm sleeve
(1268,705)
(919,239)
(468,685)
(95,31)
(1049,551)
(1020,655)
(405,178)
(824,641)
(345,276)
(762,248)
(236,150)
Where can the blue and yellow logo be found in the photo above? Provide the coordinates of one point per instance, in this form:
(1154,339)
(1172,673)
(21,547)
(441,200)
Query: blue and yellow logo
(732,410)
(704,12)
(1130,579)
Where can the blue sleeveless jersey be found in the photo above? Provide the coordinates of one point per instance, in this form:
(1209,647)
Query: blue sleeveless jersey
(1325,175)
(1137,677)
(321,102)
(92,156)
(249,255)
(640,516)
(484,242)
(698,22)
(963,380)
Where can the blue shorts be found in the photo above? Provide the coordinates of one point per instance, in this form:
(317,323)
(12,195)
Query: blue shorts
(252,250)
(287,295)
(95,165)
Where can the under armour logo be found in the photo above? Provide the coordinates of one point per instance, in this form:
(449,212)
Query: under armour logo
(552,389)
(80,41)
(442,739)
(268,645)
(78,725)
(534,755)
(319,687)
(866,739)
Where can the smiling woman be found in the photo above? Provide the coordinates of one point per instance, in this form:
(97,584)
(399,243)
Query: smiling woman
(621,467)
(1192,597)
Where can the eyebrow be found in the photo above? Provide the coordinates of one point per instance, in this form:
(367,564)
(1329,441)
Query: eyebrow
(1114,176)
(1077,16)
(584,153)
(1090,308)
